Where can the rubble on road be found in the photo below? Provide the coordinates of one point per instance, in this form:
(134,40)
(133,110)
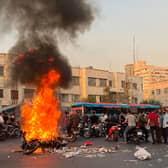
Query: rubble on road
(84,151)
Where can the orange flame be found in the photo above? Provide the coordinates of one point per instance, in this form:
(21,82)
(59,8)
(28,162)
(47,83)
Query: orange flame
(41,118)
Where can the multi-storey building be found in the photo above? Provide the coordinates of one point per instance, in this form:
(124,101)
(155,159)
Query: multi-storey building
(90,83)
(159,92)
(87,83)
(149,73)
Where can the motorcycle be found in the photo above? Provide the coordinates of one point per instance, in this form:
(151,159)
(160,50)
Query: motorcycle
(113,133)
(136,135)
(33,145)
(95,130)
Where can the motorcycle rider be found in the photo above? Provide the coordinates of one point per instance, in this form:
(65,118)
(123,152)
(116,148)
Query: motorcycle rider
(131,120)
(94,119)
(142,121)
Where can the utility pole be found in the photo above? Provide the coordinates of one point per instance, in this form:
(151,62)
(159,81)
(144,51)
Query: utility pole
(134,49)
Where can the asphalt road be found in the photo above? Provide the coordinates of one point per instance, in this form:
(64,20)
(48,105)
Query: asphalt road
(123,158)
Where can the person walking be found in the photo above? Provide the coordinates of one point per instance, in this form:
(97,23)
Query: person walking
(131,120)
(165,127)
(153,123)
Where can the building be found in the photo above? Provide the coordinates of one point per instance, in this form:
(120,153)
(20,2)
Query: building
(159,92)
(90,83)
(149,73)
(87,84)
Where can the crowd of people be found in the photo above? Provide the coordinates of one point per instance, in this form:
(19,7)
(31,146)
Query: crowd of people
(155,122)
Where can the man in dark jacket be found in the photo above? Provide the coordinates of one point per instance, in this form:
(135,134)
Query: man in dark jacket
(142,122)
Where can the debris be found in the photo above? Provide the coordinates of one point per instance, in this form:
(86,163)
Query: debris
(90,156)
(130,160)
(84,151)
(159,160)
(70,154)
(142,154)
(88,143)
(8,156)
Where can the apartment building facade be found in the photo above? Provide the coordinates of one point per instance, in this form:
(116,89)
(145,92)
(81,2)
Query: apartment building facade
(159,92)
(87,83)
(91,83)
(149,73)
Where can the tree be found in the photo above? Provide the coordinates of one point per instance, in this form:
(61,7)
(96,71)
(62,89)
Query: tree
(151,101)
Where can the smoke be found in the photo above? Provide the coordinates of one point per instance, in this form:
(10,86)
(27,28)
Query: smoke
(39,24)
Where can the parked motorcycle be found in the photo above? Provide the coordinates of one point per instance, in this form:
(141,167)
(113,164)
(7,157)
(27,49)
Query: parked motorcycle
(113,133)
(95,130)
(136,135)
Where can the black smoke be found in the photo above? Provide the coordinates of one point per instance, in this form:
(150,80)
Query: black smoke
(39,23)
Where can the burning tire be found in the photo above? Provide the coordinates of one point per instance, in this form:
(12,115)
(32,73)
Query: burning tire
(30,147)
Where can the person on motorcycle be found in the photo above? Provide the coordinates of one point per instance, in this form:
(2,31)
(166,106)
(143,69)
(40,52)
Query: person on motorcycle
(141,122)
(131,120)
(94,119)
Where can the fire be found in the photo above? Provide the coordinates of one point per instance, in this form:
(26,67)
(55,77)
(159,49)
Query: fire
(41,118)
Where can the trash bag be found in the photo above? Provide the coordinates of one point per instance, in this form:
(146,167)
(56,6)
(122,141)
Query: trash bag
(142,154)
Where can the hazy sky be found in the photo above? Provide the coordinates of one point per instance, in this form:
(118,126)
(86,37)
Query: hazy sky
(108,43)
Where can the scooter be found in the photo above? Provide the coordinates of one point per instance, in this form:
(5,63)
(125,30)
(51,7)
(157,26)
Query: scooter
(136,135)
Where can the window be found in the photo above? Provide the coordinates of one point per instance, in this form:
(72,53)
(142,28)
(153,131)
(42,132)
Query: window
(134,85)
(123,84)
(110,83)
(1,93)
(29,93)
(153,92)
(102,82)
(165,90)
(92,98)
(75,80)
(91,81)
(64,97)
(14,94)
(1,71)
(158,91)
(75,98)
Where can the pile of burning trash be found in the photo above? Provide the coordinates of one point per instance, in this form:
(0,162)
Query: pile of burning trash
(84,151)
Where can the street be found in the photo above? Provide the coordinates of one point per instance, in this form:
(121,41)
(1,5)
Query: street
(10,157)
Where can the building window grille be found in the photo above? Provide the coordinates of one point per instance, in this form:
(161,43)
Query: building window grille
(110,83)
(1,71)
(29,93)
(14,94)
(158,91)
(103,82)
(91,81)
(75,98)
(1,93)
(75,80)
(64,97)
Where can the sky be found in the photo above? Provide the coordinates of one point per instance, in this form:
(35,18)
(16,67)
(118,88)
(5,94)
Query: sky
(108,44)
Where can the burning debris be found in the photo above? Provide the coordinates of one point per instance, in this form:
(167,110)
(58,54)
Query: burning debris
(37,59)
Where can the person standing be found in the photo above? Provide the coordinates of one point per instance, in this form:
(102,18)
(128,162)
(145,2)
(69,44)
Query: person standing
(1,121)
(153,122)
(165,127)
(131,120)
(142,121)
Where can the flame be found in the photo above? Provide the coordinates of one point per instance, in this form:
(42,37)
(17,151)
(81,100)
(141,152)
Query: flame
(41,118)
